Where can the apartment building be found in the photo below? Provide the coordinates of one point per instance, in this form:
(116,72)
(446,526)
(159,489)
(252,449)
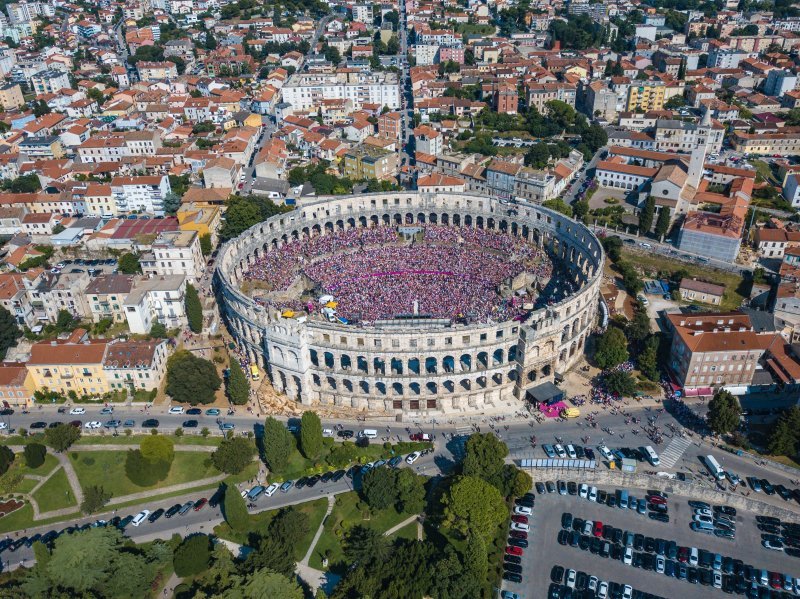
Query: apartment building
(16,385)
(784,143)
(693,290)
(715,350)
(307,90)
(390,125)
(158,299)
(75,364)
(680,136)
(539,94)
(140,194)
(174,253)
(49,81)
(11,96)
(157,71)
(135,365)
(370,162)
(105,296)
(646,95)
(116,146)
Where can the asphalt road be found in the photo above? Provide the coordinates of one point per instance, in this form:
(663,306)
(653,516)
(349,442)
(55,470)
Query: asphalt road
(569,197)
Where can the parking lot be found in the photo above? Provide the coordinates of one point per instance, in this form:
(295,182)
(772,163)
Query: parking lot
(544,551)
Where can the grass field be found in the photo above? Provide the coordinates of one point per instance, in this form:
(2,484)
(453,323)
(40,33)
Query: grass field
(763,169)
(345,515)
(409,532)
(734,284)
(107,469)
(50,462)
(136,439)
(55,494)
(314,511)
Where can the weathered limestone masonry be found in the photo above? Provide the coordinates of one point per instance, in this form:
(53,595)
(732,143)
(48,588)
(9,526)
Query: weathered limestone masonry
(419,367)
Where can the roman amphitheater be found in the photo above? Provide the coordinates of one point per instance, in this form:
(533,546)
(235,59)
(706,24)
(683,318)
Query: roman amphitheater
(408,302)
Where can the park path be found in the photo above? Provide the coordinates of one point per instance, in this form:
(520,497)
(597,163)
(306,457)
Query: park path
(313,577)
(167,490)
(318,534)
(397,527)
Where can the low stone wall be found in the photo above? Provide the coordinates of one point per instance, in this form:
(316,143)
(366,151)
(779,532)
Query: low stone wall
(625,480)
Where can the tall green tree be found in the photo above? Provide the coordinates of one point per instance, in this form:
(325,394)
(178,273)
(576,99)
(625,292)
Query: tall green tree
(473,506)
(9,332)
(647,360)
(238,385)
(363,544)
(611,349)
(310,435)
(783,439)
(205,244)
(475,557)
(638,329)
(194,309)
(278,445)
(646,215)
(484,456)
(621,383)
(378,488)
(34,454)
(232,456)
(724,412)
(94,499)
(6,459)
(662,224)
(128,264)
(410,491)
(234,510)
(191,379)
(193,555)
(61,437)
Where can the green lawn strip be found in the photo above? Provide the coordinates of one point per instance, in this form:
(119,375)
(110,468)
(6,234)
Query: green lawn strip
(23,519)
(763,169)
(134,440)
(345,515)
(733,296)
(409,531)
(55,494)
(50,462)
(26,485)
(107,469)
(314,511)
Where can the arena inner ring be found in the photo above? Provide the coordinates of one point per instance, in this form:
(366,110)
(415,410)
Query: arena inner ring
(406,302)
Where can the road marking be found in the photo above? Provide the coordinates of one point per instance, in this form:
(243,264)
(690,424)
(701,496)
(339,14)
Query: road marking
(674,451)
(464,430)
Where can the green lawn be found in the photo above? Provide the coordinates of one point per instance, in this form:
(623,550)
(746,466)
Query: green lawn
(344,516)
(734,284)
(763,169)
(26,485)
(50,462)
(409,532)
(134,440)
(313,510)
(55,494)
(107,469)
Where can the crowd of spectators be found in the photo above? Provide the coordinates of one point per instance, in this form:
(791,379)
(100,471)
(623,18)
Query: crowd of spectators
(374,273)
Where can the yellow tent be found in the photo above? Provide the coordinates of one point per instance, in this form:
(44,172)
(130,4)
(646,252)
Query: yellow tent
(332,305)
(288,313)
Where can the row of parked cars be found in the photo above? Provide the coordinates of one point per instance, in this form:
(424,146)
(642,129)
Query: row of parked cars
(571,584)
(778,535)
(760,485)
(517,539)
(719,520)
(654,503)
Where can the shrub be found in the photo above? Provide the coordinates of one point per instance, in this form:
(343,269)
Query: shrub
(141,471)
(34,455)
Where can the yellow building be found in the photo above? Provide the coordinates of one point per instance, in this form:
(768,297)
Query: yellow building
(370,162)
(203,219)
(11,96)
(646,95)
(72,365)
(16,386)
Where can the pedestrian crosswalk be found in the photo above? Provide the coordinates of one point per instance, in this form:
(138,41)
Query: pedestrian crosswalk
(674,451)
(464,430)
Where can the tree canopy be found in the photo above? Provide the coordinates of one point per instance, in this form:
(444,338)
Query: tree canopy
(724,412)
(191,379)
(278,444)
(194,309)
(473,506)
(233,455)
(238,385)
(310,435)
(612,348)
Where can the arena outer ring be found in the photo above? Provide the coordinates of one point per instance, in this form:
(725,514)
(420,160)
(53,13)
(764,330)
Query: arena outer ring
(461,368)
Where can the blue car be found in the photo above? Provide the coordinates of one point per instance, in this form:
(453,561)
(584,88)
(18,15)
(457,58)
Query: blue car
(395,461)
(287,485)
(642,507)
(212,412)
(548,449)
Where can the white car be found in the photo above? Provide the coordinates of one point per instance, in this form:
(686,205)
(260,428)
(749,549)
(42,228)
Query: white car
(587,528)
(627,592)
(605,452)
(559,450)
(592,584)
(270,490)
(703,512)
(660,564)
(717,580)
(703,519)
(176,410)
(583,491)
(413,457)
(593,494)
(3,426)
(139,518)
(571,578)
(77,411)
(627,557)
(522,510)
(602,590)
(571,452)
(93,424)
(694,556)
(520,526)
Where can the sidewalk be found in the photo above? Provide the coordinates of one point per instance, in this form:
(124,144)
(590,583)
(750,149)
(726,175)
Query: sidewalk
(397,527)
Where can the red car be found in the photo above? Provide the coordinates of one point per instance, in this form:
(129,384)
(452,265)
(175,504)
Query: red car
(520,519)
(597,530)
(775,580)
(200,504)
(420,437)
(511,550)
(656,499)
(683,555)
(518,534)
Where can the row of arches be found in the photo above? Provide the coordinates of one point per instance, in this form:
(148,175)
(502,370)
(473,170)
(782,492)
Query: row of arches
(414,388)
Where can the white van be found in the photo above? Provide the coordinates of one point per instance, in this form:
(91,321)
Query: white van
(327,432)
(139,518)
(652,456)
(369,433)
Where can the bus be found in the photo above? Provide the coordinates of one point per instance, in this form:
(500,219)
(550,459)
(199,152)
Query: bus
(254,372)
(713,466)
